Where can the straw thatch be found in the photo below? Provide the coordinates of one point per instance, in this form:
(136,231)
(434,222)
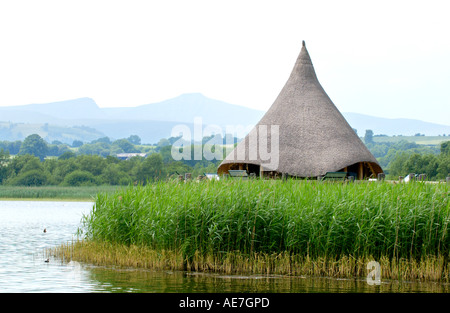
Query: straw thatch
(314,137)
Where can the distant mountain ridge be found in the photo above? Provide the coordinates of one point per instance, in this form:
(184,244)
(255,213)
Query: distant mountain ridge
(183,108)
(154,121)
(150,122)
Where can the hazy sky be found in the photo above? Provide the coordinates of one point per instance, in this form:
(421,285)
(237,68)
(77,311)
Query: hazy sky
(383,58)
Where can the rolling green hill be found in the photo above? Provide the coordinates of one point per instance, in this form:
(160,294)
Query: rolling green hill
(67,134)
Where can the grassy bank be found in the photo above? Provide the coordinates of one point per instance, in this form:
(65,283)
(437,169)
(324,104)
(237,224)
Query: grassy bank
(291,227)
(87,193)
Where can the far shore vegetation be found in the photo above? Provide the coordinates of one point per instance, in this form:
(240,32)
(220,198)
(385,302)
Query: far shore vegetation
(293,227)
(35,163)
(66,193)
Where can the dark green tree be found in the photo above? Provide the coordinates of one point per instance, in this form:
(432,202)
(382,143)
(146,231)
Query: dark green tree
(99,148)
(12,147)
(443,169)
(34,145)
(102,140)
(80,178)
(31,165)
(152,168)
(134,139)
(30,178)
(64,168)
(77,143)
(112,175)
(93,164)
(368,137)
(67,155)
(125,145)
(445,147)
(18,163)
(4,160)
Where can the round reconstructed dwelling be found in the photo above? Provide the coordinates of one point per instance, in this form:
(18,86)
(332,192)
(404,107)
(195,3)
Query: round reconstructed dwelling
(303,134)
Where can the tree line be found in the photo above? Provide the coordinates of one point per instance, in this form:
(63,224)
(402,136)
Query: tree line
(436,167)
(403,157)
(37,163)
(32,166)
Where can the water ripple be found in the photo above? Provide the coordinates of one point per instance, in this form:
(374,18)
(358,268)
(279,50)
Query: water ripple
(22,263)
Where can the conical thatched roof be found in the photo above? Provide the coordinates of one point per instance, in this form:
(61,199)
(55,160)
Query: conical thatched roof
(314,137)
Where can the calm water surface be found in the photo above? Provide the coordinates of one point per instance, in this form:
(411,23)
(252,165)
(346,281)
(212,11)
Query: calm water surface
(23,267)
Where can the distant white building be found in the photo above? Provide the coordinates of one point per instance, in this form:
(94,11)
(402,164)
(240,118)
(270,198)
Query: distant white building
(212,176)
(127,156)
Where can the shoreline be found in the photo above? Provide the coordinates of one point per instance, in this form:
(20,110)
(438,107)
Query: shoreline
(50,199)
(55,193)
(428,269)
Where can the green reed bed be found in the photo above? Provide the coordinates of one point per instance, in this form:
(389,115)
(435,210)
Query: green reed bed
(289,227)
(84,193)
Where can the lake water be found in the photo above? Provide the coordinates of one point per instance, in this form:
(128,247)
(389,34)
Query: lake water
(23,267)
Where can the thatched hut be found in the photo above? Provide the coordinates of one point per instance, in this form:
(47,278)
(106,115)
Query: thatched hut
(311,135)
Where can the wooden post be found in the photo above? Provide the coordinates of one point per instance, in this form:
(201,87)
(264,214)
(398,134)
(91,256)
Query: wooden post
(381,176)
(360,171)
(371,168)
